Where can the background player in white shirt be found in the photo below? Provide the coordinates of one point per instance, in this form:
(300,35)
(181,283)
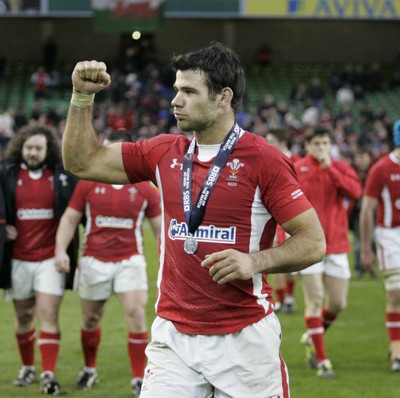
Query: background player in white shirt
(112,261)
(380,207)
(215,333)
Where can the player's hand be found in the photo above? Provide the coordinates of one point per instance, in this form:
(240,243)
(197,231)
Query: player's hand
(325,160)
(228,265)
(368,259)
(11,232)
(62,262)
(90,77)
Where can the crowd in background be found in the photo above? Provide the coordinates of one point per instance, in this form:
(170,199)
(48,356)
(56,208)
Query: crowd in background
(139,100)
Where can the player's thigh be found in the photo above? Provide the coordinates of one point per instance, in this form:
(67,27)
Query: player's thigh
(167,375)
(336,289)
(48,279)
(313,286)
(95,279)
(22,277)
(388,248)
(131,275)
(248,363)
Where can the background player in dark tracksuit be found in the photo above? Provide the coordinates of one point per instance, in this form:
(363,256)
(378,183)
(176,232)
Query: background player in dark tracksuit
(36,192)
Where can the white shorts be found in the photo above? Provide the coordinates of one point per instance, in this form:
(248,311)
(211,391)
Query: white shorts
(335,265)
(392,279)
(40,276)
(388,247)
(97,280)
(240,365)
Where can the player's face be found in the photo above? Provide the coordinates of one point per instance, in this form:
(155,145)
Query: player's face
(34,151)
(319,146)
(194,110)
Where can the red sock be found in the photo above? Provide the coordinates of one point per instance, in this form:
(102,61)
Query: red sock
(328,318)
(280,294)
(26,347)
(137,343)
(90,340)
(290,283)
(393,325)
(49,344)
(315,329)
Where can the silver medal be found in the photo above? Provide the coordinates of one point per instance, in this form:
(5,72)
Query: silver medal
(190,245)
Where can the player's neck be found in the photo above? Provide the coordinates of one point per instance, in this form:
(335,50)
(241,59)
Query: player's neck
(215,134)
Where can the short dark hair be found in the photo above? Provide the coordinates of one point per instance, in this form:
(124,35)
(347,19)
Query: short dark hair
(221,67)
(281,133)
(317,131)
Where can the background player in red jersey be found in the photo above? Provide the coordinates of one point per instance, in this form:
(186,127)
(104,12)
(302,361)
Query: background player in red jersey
(382,197)
(112,261)
(283,284)
(36,191)
(326,182)
(215,318)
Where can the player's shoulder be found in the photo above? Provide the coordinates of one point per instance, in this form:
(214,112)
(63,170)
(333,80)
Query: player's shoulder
(258,145)
(165,139)
(159,144)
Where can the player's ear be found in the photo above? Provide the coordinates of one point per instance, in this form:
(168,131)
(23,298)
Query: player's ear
(226,96)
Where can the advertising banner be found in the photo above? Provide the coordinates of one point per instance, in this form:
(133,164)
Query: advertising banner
(324,9)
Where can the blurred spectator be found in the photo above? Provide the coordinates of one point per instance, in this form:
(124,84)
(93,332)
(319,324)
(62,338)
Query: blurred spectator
(348,75)
(41,81)
(264,56)
(310,116)
(299,95)
(20,118)
(316,93)
(362,163)
(345,95)
(49,54)
(375,77)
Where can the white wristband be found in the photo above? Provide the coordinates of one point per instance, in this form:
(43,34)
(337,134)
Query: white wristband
(81,100)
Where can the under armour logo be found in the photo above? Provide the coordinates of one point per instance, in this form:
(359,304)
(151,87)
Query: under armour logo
(175,163)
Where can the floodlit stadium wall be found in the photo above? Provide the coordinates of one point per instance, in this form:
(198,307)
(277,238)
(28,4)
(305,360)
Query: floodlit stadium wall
(296,30)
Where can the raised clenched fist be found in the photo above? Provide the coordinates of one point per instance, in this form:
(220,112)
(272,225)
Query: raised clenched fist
(90,77)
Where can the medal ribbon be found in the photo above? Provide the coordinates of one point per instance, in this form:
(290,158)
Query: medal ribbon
(195,216)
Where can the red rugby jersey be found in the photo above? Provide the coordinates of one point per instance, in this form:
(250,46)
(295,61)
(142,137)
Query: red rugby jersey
(256,190)
(114,217)
(383,183)
(36,218)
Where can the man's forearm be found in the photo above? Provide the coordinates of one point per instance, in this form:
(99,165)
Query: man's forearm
(296,253)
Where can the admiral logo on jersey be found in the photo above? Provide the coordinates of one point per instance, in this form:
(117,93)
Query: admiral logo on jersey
(113,222)
(209,233)
(35,214)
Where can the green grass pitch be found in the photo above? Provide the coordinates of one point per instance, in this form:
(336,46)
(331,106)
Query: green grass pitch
(357,345)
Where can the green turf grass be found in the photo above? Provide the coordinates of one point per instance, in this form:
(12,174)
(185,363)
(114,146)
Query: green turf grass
(356,344)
